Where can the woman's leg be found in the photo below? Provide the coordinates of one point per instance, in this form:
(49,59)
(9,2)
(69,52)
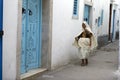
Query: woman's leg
(82,62)
(86,61)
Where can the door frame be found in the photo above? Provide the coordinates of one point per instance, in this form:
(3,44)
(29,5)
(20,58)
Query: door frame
(19,37)
(110,19)
(113,24)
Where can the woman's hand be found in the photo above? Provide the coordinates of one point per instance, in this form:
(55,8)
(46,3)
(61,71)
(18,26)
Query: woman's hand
(76,38)
(90,45)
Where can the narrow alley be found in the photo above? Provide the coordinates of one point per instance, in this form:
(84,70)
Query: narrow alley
(102,66)
(40,39)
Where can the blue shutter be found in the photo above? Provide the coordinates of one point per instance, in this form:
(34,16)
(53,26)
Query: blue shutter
(102,17)
(99,21)
(75,7)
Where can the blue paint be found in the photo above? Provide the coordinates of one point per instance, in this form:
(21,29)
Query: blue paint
(31,35)
(113,23)
(99,21)
(23,41)
(40,35)
(1,28)
(86,13)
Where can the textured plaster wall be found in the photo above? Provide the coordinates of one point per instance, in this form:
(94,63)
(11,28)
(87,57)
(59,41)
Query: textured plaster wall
(10,14)
(65,28)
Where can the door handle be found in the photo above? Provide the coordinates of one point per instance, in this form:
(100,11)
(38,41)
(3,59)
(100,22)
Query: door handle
(30,12)
(23,10)
(85,19)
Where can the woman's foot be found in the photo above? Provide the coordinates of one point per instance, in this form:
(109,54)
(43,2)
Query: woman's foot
(82,62)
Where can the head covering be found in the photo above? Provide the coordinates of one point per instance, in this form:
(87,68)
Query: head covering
(94,43)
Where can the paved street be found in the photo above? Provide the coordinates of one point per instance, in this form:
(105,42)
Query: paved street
(101,66)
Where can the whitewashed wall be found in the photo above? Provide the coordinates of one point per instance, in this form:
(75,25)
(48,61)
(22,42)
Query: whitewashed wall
(64,30)
(9,39)
(97,8)
(118,15)
(119,35)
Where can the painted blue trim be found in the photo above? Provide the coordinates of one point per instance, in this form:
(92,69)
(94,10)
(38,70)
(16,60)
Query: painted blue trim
(26,35)
(23,46)
(75,8)
(1,28)
(40,32)
(86,13)
(114,11)
(99,21)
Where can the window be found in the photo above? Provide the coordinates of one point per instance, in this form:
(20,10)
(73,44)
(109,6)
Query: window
(100,19)
(75,9)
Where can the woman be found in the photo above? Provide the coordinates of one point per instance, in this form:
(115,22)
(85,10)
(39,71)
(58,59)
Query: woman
(85,42)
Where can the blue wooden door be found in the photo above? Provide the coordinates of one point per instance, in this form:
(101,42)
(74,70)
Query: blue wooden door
(86,13)
(31,35)
(1,33)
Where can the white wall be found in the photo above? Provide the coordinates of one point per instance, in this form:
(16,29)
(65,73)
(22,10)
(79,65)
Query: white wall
(118,15)
(97,8)
(115,6)
(9,39)
(64,30)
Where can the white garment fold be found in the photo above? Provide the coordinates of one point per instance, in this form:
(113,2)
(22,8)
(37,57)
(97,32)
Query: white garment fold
(84,49)
(83,44)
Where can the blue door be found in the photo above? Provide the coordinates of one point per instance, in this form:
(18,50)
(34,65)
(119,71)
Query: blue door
(1,33)
(86,13)
(113,24)
(31,35)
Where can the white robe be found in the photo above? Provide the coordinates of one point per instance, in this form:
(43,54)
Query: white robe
(83,44)
(84,49)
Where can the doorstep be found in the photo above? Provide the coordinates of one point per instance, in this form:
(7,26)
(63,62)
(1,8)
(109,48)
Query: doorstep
(30,75)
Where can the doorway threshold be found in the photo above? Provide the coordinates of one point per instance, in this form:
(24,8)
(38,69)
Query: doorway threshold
(30,75)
